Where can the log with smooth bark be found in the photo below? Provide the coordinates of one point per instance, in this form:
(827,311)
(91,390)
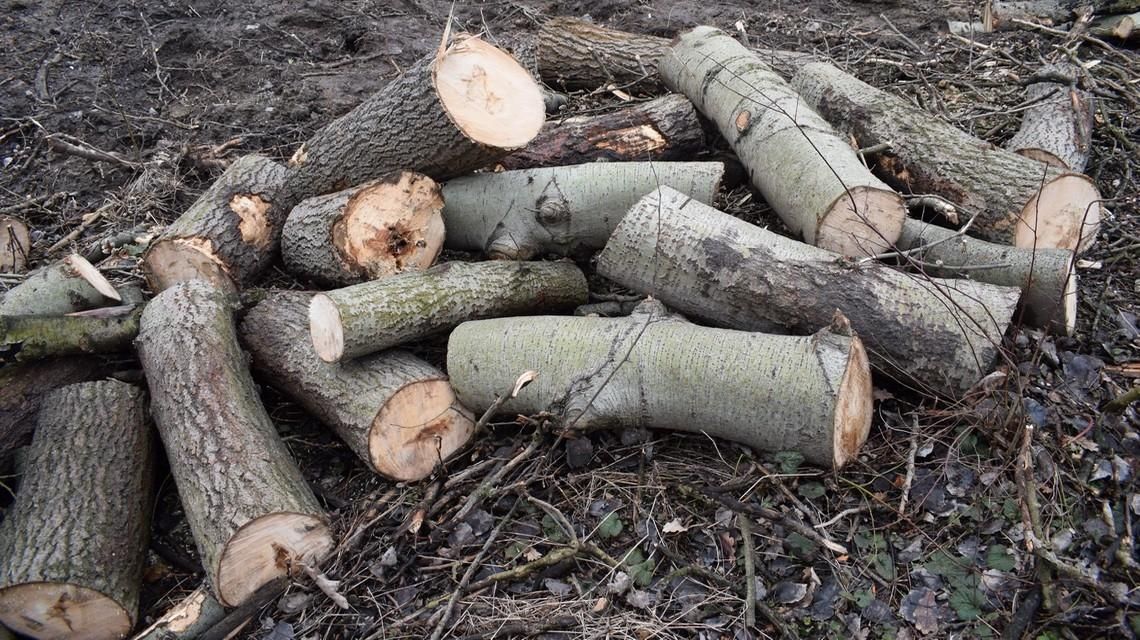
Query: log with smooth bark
(1013,199)
(941,336)
(72,545)
(109,330)
(228,236)
(807,172)
(252,514)
(381,227)
(564,210)
(66,286)
(1057,127)
(397,412)
(373,316)
(23,388)
(665,128)
(15,244)
(654,370)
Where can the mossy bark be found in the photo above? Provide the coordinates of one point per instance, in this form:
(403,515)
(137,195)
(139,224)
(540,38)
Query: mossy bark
(53,290)
(24,338)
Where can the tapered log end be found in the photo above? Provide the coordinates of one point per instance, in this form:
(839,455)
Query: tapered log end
(488,95)
(268,548)
(392,226)
(58,610)
(1042,155)
(88,272)
(853,406)
(420,426)
(1066,213)
(326,328)
(863,222)
(173,260)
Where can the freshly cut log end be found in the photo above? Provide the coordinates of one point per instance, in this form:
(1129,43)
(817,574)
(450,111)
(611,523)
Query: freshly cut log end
(169,262)
(327,329)
(420,426)
(88,272)
(50,610)
(1066,213)
(856,225)
(267,548)
(15,244)
(854,406)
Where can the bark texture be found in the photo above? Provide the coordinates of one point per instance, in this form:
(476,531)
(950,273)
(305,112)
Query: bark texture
(1015,200)
(1122,27)
(250,511)
(807,172)
(53,290)
(362,400)
(652,370)
(1057,129)
(24,338)
(1000,14)
(228,236)
(23,388)
(521,214)
(15,244)
(373,316)
(71,548)
(187,620)
(941,336)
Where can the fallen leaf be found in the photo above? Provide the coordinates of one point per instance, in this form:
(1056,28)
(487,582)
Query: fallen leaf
(674,526)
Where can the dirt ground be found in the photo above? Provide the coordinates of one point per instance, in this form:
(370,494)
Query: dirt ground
(927,534)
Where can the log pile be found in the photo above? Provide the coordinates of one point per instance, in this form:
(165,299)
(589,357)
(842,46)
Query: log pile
(454,154)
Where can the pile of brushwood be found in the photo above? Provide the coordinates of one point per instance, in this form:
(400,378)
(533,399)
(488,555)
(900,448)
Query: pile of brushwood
(916,248)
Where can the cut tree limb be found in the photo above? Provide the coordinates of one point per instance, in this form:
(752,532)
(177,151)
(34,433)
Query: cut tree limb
(230,233)
(1013,199)
(109,330)
(1003,14)
(1122,27)
(373,316)
(564,210)
(397,412)
(654,370)
(941,336)
(1057,129)
(15,245)
(188,619)
(807,172)
(69,285)
(251,513)
(72,546)
(381,227)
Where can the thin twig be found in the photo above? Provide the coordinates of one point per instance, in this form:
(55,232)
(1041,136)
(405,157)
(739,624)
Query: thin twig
(749,571)
(910,456)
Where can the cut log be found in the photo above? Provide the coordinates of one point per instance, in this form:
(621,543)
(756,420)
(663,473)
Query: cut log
(1122,27)
(1015,200)
(64,287)
(807,172)
(228,236)
(251,513)
(1057,129)
(15,245)
(1046,277)
(451,112)
(373,316)
(518,215)
(940,336)
(109,330)
(813,391)
(72,545)
(666,128)
(187,620)
(1004,14)
(397,412)
(22,390)
(382,227)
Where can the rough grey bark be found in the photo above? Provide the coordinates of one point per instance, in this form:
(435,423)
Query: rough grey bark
(351,397)
(232,470)
(373,316)
(1015,200)
(1057,129)
(939,335)
(53,290)
(72,545)
(228,236)
(652,370)
(564,210)
(23,388)
(807,172)
(24,338)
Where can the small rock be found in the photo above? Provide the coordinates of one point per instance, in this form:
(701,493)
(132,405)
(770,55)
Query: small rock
(480,521)
(877,612)
(787,592)
(579,452)
(462,535)
(558,587)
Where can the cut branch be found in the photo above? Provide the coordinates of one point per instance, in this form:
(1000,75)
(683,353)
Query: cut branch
(24,338)
(15,245)
(58,289)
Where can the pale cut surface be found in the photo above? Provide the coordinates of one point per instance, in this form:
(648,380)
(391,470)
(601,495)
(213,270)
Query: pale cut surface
(854,406)
(15,243)
(1070,302)
(417,428)
(267,548)
(56,610)
(389,228)
(180,259)
(488,95)
(847,230)
(1059,217)
(88,272)
(326,327)
(1042,155)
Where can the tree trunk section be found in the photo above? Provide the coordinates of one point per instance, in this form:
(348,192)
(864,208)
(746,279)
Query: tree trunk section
(517,215)
(666,128)
(397,412)
(1057,129)
(15,245)
(22,390)
(373,316)
(1015,200)
(1122,27)
(230,233)
(1001,14)
(72,545)
(250,511)
(24,338)
(56,290)
(940,336)
(806,171)
(1046,277)
(649,370)
(382,227)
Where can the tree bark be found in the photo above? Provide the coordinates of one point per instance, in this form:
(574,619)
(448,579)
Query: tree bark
(230,233)
(373,316)
(1014,199)
(385,226)
(22,391)
(72,545)
(397,412)
(665,128)
(941,336)
(1046,277)
(806,171)
(652,370)
(250,511)
(1124,27)
(518,215)
(1000,14)
(55,290)
(24,338)
(1057,129)
(15,245)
